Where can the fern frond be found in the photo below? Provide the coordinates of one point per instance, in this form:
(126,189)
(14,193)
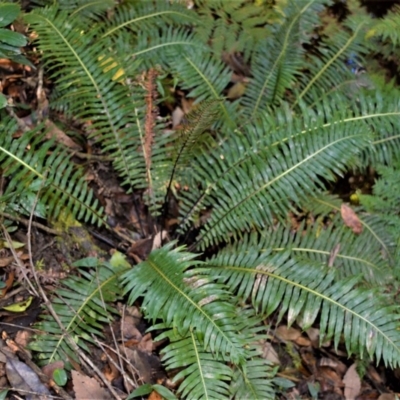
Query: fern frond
(269,181)
(205,375)
(356,255)
(83,307)
(235,26)
(143,16)
(160,46)
(254,382)
(328,68)
(387,29)
(277,60)
(205,77)
(185,301)
(304,289)
(374,227)
(36,166)
(85,75)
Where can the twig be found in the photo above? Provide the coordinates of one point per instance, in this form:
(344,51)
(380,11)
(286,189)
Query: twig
(26,223)
(18,261)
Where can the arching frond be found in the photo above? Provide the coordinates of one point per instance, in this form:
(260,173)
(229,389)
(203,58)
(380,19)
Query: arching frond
(83,306)
(305,289)
(268,182)
(185,301)
(36,167)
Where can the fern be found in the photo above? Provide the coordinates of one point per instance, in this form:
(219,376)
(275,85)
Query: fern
(83,307)
(237,170)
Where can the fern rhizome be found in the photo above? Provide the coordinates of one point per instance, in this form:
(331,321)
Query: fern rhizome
(222,190)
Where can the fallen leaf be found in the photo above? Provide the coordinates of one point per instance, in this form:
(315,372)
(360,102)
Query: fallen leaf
(387,396)
(20,306)
(351,219)
(284,333)
(23,379)
(146,344)
(303,341)
(86,387)
(23,337)
(270,354)
(53,131)
(154,396)
(352,383)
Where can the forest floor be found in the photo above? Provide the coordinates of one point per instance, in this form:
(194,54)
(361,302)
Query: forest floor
(36,251)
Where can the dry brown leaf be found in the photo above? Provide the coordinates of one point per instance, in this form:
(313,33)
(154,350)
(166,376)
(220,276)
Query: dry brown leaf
(5,261)
(61,137)
(129,330)
(387,396)
(86,388)
(284,333)
(270,354)
(303,341)
(23,337)
(154,396)
(146,344)
(351,219)
(329,380)
(23,379)
(352,383)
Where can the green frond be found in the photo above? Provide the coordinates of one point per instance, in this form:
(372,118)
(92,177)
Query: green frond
(328,69)
(374,226)
(205,375)
(270,180)
(277,60)
(201,118)
(387,29)
(205,77)
(185,301)
(82,304)
(36,167)
(301,289)
(355,255)
(235,26)
(74,54)
(254,382)
(158,46)
(143,16)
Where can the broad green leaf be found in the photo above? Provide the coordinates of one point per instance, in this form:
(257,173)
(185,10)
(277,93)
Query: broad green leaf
(12,38)
(8,13)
